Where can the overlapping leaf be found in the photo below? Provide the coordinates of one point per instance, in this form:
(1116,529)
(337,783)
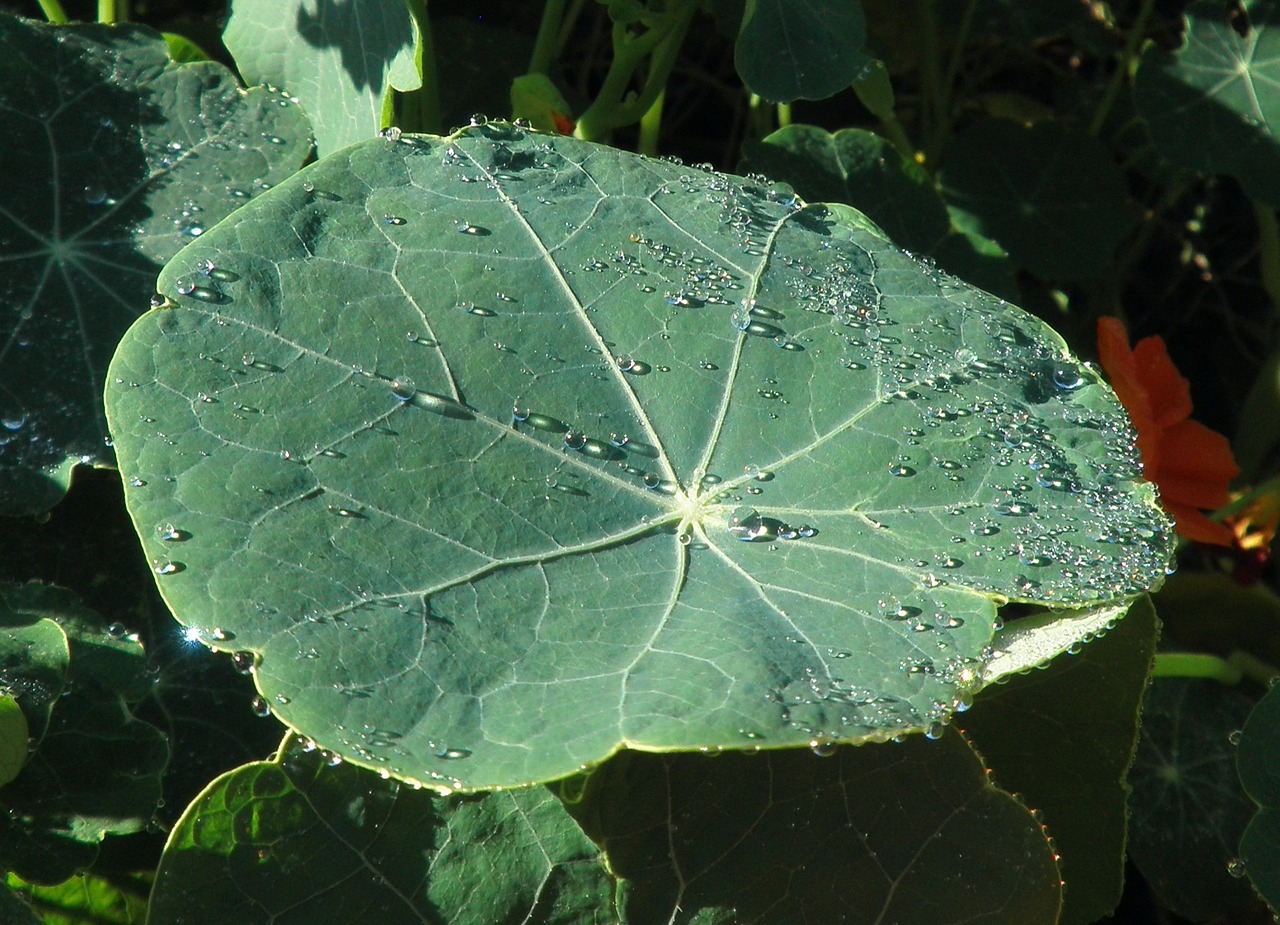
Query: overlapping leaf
(118,158)
(500,452)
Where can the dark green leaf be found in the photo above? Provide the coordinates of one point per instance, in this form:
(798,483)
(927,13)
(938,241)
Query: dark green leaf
(341,60)
(1053,198)
(13,911)
(13,738)
(909,833)
(125,157)
(1064,738)
(469,595)
(1258,758)
(789,50)
(95,769)
(1213,104)
(1187,809)
(297,840)
(88,899)
(860,168)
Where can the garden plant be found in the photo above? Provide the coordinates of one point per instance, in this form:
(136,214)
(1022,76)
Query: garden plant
(644,461)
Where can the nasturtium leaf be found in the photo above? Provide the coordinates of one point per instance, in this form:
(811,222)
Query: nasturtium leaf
(124,157)
(912,833)
(862,169)
(1063,738)
(94,769)
(1188,809)
(102,900)
(1054,198)
(1213,104)
(13,739)
(812,50)
(1258,759)
(500,452)
(304,839)
(341,60)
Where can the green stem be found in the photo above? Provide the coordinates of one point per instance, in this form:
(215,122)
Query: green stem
(1269,252)
(930,80)
(1121,75)
(54,12)
(106,11)
(611,109)
(567,24)
(420,111)
(784,115)
(1238,505)
(1229,671)
(546,45)
(957,59)
(651,128)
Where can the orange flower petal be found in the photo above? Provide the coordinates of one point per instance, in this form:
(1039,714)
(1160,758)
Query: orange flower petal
(1168,393)
(1193,450)
(1121,368)
(1190,523)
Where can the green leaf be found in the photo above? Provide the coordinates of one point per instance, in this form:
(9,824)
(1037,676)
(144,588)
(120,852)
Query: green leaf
(1258,759)
(88,898)
(125,157)
(299,840)
(1064,738)
(1187,809)
(461,593)
(1213,104)
(1053,198)
(13,739)
(909,832)
(341,60)
(860,168)
(789,51)
(95,769)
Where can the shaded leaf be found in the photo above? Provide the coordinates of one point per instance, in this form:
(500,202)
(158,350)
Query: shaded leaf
(788,50)
(909,832)
(860,168)
(1054,199)
(297,840)
(1213,104)
(465,446)
(125,157)
(13,738)
(1187,809)
(94,769)
(87,898)
(340,59)
(1064,738)
(1258,759)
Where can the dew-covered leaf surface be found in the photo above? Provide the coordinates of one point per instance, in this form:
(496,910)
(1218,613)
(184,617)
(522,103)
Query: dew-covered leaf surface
(1063,738)
(94,769)
(124,157)
(1188,809)
(502,451)
(340,59)
(1258,759)
(296,840)
(1214,103)
(912,833)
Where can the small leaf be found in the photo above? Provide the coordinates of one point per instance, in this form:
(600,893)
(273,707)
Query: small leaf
(1258,759)
(789,51)
(13,739)
(341,60)
(304,837)
(1213,105)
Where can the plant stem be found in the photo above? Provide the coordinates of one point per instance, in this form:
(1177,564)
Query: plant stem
(651,127)
(1269,252)
(546,45)
(1230,671)
(421,108)
(567,24)
(53,12)
(784,115)
(106,11)
(1136,34)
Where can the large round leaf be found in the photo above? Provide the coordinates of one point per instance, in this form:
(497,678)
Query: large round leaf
(501,452)
(116,157)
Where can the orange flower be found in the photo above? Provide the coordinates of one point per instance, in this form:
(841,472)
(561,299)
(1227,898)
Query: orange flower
(1190,464)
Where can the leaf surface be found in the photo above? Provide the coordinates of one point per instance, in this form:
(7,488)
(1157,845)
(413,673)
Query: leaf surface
(125,157)
(501,452)
(297,840)
(341,60)
(1258,759)
(801,49)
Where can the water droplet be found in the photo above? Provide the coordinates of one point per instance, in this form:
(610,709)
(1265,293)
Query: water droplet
(391,133)
(544,422)
(1015,508)
(345,512)
(746,524)
(206,294)
(171,534)
(403,388)
(218,634)
(1066,377)
(476,310)
(167,568)
(900,471)
(823,748)
(452,754)
(260,707)
(633,366)
(1236,868)
(468,228)
(245,662)
(117,631)
(393,220)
